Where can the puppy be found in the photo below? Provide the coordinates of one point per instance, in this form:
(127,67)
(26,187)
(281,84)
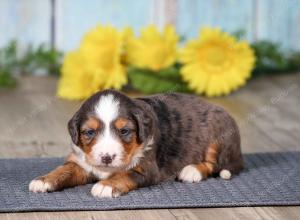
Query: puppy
(126,143)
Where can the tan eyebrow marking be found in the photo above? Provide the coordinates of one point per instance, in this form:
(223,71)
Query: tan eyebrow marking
(121,123)
(91,123)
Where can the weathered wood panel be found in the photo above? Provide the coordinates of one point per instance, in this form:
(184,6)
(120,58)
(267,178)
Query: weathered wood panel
(230,15)
(28,21)
(74,19)
(279,21)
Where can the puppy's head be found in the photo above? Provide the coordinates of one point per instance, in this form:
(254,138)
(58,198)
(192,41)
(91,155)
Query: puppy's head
(111,130)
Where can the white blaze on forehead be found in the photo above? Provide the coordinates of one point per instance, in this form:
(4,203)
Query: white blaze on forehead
(107,110)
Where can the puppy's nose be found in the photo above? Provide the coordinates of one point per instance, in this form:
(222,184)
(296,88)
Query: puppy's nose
(107,159)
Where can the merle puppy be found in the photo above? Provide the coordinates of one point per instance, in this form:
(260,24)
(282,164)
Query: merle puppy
(123,143)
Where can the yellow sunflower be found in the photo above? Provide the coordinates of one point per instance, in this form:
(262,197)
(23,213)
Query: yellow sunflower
(95,65)
(102,48)
(153,50)
(76,81)
(215,63)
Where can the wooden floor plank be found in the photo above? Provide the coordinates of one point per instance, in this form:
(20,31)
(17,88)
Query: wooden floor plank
(251,213)
(218,213)
(269,116)
(159,214)
(279,213)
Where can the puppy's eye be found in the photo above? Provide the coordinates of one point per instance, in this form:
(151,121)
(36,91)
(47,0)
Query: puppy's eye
(90,133)
(125,131)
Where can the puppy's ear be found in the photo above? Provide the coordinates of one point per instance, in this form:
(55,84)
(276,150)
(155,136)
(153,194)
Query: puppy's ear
(144,121)
(73,127)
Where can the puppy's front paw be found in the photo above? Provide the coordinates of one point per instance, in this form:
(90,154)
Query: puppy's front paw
(40,186)
(104,191)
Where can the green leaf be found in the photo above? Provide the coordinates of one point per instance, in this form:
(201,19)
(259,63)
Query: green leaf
(271,59)
(42,57)
(294,61)
(6,80)
(147,81)
(32,59)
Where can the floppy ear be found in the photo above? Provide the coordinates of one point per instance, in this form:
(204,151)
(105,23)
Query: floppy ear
(144,121)
(73,127)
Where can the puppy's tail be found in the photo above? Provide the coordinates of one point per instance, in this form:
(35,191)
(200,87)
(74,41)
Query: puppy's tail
(225,174)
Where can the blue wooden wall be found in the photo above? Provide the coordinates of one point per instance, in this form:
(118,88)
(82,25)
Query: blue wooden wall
(29,20)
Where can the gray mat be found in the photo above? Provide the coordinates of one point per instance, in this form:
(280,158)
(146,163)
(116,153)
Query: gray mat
(269,179)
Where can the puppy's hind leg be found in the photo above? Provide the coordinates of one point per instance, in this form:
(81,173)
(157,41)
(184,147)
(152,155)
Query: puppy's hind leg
(197,172)
(68,175)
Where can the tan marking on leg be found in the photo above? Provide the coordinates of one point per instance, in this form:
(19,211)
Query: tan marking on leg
(210,161)
(120,182)
(72,157)
(67,175)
